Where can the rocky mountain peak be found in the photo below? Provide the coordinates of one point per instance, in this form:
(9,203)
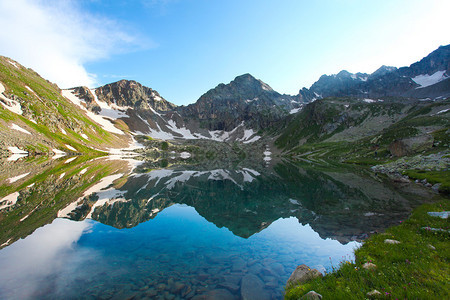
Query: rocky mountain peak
(383,70)
(86,94)
(129,93)
(344,74)
(242,100)
(427,78)
(243,88)
(438,60)
(248,81)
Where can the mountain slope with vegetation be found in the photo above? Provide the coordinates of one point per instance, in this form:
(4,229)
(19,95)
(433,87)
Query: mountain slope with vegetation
(374,133)
(38,117)
(35,117)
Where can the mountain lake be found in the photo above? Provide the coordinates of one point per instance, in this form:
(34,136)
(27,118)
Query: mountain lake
(114,228)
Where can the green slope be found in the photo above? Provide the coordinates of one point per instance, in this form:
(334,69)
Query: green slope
(51,119)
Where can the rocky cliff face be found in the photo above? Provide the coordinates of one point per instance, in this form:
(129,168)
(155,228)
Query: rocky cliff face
(141,110)
(129,93)
(438,60)
(85,94)
(427,78)
(245,99)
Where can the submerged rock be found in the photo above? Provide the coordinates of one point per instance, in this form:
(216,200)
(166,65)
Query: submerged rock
(436,187)
(253,288)
(302,274)
(229,286)
(219,294)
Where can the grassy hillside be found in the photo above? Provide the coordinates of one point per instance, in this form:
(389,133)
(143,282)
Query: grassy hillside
(48,119)
(348,129)
(373,133)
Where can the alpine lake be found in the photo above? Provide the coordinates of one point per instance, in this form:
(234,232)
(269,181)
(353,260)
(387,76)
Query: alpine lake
(80,227)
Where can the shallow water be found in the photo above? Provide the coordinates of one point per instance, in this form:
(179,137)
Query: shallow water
(178,233)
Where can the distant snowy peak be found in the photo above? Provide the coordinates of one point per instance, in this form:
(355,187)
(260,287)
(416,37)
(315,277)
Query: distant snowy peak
(424,79)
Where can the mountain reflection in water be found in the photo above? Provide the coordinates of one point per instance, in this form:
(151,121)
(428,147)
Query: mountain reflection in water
(186,231)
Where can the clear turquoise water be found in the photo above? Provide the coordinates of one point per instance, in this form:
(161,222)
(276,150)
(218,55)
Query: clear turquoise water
(178,249)
(215,234)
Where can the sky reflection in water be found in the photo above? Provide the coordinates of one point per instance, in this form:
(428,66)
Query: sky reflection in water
(68,259)
(182,232)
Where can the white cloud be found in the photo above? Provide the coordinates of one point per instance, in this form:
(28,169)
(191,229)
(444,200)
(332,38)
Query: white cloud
(38,258)
(56,39)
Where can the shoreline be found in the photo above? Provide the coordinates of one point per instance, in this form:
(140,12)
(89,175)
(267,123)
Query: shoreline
(409,260)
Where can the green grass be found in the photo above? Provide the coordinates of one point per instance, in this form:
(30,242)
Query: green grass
(46,105)
(409,270)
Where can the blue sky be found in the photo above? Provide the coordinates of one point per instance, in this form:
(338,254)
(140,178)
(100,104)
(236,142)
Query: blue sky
(182,48)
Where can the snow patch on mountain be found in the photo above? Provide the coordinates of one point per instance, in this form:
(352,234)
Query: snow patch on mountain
(16,150)
(17,178)
(425,80)
(9,200)
(33,92)
(156,97)
(11,105)
(18,128)
(247,134)
(295,110)
(13,63)
(103,121)
(169,130)
(183,131)
(442,111)
(112,111)
(251,100)
(253,139)
(71,148)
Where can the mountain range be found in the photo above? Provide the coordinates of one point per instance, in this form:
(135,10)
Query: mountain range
(428,78)
(38,117)
(230,136)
